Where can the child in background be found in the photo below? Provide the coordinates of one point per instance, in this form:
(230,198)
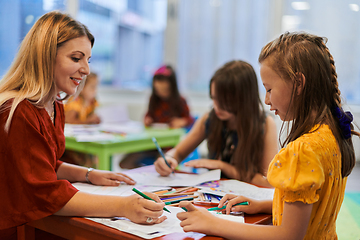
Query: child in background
(165,104)
(81,109)
(34,183)
(309,174)
(241,138)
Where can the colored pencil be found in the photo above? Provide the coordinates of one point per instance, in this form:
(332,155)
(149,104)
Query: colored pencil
(147,197)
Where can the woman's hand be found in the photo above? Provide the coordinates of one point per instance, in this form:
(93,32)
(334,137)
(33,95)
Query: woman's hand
(205,163)
(255,206)
(140,210)
(162,168)
(196,219)
(107,178)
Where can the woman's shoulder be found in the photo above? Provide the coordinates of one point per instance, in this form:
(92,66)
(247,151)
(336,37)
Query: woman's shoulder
(25,107)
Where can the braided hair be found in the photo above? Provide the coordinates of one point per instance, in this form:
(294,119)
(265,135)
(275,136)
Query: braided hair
(299,53)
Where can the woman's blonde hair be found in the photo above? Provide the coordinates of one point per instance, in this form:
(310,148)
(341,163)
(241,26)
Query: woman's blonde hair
(31,75)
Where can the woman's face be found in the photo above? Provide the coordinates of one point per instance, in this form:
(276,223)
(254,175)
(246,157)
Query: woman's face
(220,113)
(72,64)
(278,92)
(162,89)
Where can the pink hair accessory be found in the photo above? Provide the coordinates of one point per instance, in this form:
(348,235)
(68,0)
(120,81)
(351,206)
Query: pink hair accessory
(163,71)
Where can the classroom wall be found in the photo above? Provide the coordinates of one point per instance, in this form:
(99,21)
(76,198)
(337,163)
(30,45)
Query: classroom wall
(135,105)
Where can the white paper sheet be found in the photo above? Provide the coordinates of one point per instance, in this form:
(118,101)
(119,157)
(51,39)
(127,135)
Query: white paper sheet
(122,190)
(101,132)
(245,189)
(170,225)
(177,179)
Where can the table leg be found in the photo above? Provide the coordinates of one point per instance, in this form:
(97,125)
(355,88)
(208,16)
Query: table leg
(104,160)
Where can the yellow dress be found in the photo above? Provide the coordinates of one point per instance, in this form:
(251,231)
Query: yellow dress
(77,105)
(309,170)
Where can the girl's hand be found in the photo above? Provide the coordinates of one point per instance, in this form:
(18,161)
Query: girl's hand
(148,121)
(93,119)
(205,163)
(230,200)
(178,122)
(162,168)
(141,210)
(196,219)
(107,178)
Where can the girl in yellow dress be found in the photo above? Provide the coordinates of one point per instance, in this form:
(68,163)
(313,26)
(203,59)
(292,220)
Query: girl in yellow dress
(310,172)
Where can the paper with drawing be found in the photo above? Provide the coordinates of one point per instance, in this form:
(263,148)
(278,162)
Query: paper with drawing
(177,179)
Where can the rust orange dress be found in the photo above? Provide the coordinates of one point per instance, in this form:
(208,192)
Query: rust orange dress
(309,170)
(29,155)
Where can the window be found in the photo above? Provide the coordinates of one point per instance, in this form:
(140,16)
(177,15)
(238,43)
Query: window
(339,21)
(133,37)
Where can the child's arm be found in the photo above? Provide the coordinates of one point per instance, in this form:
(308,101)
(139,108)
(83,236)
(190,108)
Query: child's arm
(72,117)
(183,149)
(295,222)
(133,207)
(270,150)
(179,122)
(254,206)
(226,168)
(270,144)
(74,173)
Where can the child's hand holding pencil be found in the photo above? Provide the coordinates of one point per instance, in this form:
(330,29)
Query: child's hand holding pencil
(164,165)
(235,203)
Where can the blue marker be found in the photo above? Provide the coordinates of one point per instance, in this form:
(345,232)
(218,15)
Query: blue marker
(160,151)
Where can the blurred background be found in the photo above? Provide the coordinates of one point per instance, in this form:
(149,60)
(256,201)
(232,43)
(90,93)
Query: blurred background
(134,37)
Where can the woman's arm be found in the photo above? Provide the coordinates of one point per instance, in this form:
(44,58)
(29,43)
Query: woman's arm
(74,173)
(133,207)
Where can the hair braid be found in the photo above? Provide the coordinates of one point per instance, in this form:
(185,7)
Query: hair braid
(334,81)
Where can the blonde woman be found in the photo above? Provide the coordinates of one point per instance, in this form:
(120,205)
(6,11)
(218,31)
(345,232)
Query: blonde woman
(52,59)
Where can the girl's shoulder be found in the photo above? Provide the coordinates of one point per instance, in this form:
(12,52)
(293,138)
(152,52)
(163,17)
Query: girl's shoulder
(318,136)
(303,163)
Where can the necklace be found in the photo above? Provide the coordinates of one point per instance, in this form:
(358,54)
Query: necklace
(52,113)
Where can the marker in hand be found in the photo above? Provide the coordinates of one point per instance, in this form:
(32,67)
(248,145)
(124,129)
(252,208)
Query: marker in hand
(160,151)
(147,197)
(223,207)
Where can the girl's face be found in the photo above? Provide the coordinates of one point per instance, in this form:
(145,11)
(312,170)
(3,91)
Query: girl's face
(278,92)
(72,64)
(220,113)
(90,89)
(162,89)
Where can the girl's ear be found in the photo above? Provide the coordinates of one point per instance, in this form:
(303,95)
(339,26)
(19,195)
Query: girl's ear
(300,82)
